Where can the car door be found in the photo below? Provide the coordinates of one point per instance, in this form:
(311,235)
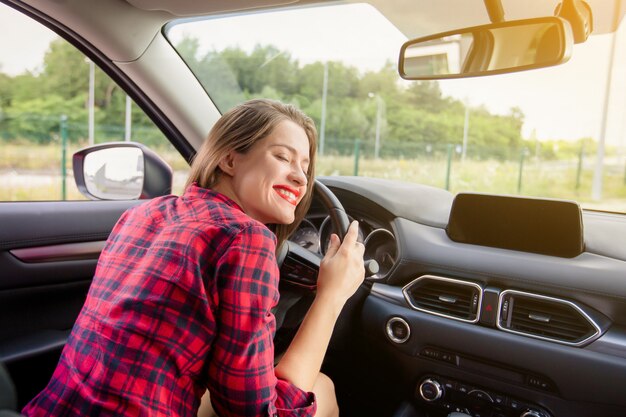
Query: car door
(48,254)
(50,235)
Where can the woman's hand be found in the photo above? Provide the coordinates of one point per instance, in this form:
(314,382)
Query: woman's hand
(342,270)
(341,273)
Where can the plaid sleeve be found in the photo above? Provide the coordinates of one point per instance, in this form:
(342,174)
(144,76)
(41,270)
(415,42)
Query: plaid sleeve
(292,401)
(241,369)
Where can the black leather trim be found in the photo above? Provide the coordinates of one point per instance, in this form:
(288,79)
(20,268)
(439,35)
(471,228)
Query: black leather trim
(28,224)
(33,345)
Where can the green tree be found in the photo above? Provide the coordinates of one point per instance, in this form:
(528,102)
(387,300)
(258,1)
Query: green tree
(416,116)
(65,72)
(38,119)
(6,91)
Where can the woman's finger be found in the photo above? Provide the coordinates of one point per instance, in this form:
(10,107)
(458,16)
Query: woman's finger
(333,246)
(352,234)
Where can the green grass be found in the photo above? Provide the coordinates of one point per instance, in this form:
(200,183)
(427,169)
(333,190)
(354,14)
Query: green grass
(553,179)
(29,157)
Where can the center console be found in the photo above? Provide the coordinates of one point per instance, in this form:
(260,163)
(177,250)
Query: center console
(444,396)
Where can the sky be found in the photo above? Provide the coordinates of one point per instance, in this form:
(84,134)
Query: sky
(563,102)
(28,52)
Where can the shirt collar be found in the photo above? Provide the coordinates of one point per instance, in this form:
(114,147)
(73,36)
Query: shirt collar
(195,191)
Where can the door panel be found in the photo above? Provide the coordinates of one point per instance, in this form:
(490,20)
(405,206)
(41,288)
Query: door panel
(48,255)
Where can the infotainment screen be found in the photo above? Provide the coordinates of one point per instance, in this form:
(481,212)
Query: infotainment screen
(549,227)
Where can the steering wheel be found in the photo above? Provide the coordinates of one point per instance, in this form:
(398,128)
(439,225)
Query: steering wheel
(299,266)
(338,215)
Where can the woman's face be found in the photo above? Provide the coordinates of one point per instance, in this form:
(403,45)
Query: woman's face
(270,179)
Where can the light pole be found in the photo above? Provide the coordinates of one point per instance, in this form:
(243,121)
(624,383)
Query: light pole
(380,103)
(91,105)
(465,130)
(128,119)
(596,185)
(324,96)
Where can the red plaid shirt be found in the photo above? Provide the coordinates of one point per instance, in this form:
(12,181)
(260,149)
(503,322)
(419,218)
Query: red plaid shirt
(180,302)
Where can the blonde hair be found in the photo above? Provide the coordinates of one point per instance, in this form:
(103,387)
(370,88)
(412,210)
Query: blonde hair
(238,130)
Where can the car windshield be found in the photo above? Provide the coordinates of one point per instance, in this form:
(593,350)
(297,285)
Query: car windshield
(534,133)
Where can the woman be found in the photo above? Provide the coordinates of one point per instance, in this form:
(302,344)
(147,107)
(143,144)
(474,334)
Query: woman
(182,295)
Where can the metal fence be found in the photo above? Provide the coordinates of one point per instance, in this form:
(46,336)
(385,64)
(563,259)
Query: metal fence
(480,168)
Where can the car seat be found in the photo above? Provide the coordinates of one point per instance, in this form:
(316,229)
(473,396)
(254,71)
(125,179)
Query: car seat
(8,399)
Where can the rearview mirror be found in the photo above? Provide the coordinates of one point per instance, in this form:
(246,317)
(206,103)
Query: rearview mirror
(489,49)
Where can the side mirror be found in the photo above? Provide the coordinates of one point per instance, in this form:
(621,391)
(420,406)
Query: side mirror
(121,171)
(489,49)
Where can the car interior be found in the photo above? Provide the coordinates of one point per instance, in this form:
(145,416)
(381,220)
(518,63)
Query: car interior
(474,304)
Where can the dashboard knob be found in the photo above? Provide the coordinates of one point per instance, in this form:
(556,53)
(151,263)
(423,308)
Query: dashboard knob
(430,390)
(531,413)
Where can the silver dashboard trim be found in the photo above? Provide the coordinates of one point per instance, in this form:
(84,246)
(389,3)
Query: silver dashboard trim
(595,325)
(389,330)
(406,288)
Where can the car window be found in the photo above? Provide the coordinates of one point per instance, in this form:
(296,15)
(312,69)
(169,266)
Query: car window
(534,133)
(46,111)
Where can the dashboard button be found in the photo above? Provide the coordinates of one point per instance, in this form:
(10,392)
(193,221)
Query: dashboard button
(449,357)
(398,330)
(449,385)
(499,399)
(515,405)
(430,353)
(465,389)
(539,382)
(489,307)
(430,390)
(481,395)
(532,413)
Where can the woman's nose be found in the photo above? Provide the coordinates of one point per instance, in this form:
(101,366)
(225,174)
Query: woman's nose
(298,176)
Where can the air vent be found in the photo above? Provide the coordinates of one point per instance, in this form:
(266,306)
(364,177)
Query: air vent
(446,297)
(545,318)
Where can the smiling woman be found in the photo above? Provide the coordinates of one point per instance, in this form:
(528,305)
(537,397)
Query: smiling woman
(263,178)
(289,146)
(136,307)
(207,259)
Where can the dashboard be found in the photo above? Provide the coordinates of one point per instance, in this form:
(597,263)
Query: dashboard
(451,326)
(380,244)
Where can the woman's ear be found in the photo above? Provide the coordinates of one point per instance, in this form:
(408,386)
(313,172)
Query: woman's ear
(227,164)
